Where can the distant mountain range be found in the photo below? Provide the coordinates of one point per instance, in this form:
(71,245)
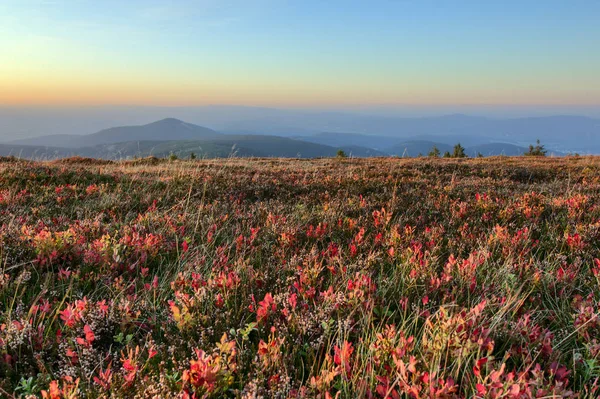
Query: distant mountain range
(416,136)
(165,129)
(559,133)
(173,136)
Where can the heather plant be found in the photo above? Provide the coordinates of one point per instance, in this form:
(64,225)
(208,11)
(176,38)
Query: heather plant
(378,278)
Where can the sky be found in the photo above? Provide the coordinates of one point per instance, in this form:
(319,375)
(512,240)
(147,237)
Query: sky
(305,53)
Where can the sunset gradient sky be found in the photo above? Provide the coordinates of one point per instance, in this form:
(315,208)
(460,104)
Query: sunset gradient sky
(307,53)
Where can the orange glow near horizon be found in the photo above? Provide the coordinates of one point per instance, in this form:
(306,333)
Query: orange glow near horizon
(26,92)
(310,54)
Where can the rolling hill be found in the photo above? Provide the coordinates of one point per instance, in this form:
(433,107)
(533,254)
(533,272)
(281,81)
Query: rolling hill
(559,132)
(239,146)
(164,130)
(344,139)
(173,136)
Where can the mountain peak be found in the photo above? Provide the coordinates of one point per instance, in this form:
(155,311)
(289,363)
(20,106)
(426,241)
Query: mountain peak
(167,129)
(168,121)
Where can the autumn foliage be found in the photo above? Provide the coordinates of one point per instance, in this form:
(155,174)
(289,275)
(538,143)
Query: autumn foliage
(331,278)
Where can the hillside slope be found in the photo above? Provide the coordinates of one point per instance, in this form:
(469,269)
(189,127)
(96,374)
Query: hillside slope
(164,130)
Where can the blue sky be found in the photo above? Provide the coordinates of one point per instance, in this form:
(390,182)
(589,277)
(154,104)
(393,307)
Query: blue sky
(301,53)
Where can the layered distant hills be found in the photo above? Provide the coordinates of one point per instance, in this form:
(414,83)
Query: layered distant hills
(166,129)
(173,136)
(412,137)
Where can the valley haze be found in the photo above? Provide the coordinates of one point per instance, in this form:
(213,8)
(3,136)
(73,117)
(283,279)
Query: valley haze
(220,131)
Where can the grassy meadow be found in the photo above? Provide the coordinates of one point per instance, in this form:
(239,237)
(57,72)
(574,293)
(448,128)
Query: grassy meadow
(282,278)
